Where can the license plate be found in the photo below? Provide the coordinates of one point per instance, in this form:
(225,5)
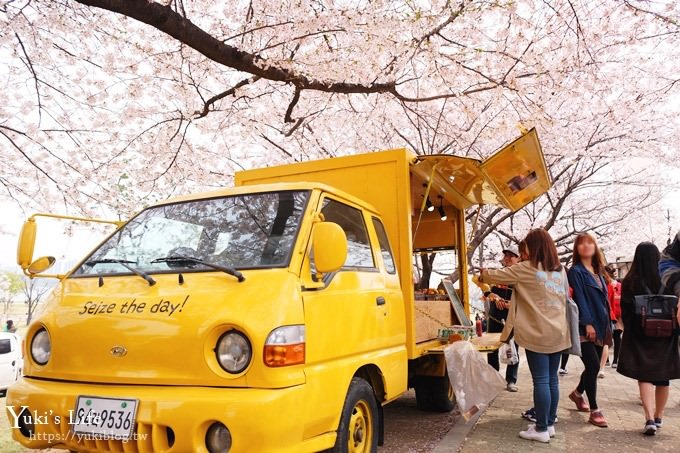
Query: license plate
(107,417)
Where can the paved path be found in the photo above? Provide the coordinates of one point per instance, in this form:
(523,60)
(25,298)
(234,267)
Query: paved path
(497,429)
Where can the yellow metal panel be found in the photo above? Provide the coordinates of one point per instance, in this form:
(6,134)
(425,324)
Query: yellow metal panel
(157,324)
(512,177)
(457,179)
(518,172)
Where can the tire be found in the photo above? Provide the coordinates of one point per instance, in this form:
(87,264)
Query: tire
(423,393)
(434,393)
(358,429)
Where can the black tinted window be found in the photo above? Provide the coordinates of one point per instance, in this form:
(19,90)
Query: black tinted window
(352,222)
(5,346)
(385,249)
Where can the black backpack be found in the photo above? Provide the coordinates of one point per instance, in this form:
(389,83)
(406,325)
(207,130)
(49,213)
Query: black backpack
(657,313)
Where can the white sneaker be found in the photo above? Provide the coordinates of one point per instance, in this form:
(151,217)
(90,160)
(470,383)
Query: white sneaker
(563,371)
(600,374)
(551,429)
(532,434)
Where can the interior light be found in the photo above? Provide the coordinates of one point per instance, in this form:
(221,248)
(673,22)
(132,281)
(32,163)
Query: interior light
(440,209)
(430,206)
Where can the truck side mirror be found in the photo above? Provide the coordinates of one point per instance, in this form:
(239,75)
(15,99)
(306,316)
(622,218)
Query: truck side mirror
(330,247)
(41,264)
(26,243)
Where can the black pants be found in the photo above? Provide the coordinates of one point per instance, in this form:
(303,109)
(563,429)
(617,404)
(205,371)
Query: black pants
(591,354)
(565,359)
(617,344)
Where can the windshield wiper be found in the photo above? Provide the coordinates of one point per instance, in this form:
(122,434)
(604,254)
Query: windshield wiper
(126,265)
(188,259)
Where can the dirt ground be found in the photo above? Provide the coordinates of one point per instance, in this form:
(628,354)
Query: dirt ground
(408,429)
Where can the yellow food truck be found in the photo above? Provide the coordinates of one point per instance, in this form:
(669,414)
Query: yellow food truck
(275,316)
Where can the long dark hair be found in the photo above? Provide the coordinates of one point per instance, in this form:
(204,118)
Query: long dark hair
(598,259)
(645,269)
(542,250)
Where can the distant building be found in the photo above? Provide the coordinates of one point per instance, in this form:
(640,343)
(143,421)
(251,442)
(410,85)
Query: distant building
(622,266)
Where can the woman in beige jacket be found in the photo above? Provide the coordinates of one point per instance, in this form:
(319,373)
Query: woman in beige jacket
(538,322)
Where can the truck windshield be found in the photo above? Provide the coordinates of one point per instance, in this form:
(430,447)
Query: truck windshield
(239,232)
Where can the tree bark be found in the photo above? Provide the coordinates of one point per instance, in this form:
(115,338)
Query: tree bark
(426,260)
(182,29)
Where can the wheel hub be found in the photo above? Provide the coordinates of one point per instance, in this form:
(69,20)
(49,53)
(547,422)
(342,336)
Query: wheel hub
(360,423)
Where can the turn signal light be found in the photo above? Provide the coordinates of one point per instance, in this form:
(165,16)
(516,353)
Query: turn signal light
(285,346)
(291,354)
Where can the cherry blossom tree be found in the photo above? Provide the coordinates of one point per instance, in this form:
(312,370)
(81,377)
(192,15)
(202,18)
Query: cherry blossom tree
(34,289)
(10,287)
(109,105)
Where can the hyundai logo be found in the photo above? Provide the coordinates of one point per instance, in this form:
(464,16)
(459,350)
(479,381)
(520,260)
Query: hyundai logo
(118,351)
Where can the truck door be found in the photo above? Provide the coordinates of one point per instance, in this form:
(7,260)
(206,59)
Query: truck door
(346,321)
(349,313)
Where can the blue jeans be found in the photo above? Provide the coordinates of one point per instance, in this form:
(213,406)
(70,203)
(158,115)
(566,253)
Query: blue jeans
(543,369)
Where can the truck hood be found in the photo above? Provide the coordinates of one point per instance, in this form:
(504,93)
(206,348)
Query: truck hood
(128,332)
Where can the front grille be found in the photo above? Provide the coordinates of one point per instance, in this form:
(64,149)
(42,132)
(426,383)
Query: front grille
(147,438)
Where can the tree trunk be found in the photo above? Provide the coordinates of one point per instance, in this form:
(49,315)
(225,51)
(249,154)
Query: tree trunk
(426,260)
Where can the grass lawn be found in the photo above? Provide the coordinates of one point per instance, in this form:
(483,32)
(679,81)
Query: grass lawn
(7,445)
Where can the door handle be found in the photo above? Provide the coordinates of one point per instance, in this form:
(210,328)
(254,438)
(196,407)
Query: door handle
(380,300)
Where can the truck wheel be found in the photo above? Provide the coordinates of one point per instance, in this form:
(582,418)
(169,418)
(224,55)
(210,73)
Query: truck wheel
(434,393)
(358,430)
(423,393)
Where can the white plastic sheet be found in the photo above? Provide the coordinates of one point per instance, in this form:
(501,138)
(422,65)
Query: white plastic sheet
(474,381)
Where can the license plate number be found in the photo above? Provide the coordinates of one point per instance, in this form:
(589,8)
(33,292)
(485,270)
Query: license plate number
(108,417)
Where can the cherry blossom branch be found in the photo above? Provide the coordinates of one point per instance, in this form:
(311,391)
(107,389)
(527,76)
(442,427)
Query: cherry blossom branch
(293,102)
(3,132)
(661,17)
(230,92)
(165,19)
(29,65)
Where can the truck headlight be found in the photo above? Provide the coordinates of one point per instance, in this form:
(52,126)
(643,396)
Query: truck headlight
(41,347)
(285,346)
(233,351)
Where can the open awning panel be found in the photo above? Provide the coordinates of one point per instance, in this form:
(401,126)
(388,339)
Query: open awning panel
(518,172)
(512,177)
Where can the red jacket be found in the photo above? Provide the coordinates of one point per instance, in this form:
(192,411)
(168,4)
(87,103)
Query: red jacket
(614,291)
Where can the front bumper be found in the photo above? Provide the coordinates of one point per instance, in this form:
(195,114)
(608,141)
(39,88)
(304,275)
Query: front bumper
(169,419)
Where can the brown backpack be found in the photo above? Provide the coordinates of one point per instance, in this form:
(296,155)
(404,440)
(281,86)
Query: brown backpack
(658,314)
